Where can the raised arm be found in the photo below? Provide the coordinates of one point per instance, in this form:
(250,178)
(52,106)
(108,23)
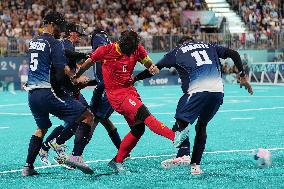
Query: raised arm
(167,61)
(95,57)
(235,56)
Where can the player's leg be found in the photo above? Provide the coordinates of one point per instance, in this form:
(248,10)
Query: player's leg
(187,111)
(43,152)
(134,110)
(58,142)
(102,110)
(127,144)
(69,129)
(183,155)
(58,137)
(213,102)
(56,132)
(184,149)
(38,102)
(72,111)
(154,125)
(159,128)
(112,132)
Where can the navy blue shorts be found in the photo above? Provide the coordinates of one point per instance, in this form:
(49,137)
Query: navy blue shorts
(202,105)
(99,104)
(43,102)
(83,101)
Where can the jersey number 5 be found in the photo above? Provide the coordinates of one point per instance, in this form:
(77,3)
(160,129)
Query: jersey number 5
(34,61)
(201,57)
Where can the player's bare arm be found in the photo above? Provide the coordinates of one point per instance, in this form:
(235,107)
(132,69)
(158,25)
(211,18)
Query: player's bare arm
(85,66)
(152,68)
(243,79)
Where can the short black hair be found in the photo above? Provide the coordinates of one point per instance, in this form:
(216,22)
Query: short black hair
(128,42)
(55,18)
(183,39)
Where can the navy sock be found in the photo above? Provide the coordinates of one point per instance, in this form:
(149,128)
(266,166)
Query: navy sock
(67,133)
(184,149)
(115,138)
(199,145)
(81,139)
(52,135)
(34,147)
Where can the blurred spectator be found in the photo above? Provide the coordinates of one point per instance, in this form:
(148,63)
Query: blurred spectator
(21,19)
(246,60)
(23,72)
(3,44)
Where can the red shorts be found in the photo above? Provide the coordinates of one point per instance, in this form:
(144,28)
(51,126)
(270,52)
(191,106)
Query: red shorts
(125,101)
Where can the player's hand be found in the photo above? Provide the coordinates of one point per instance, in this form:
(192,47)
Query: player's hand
(79,81)
(83,79)
(244,82)
(153,69)
(74,80)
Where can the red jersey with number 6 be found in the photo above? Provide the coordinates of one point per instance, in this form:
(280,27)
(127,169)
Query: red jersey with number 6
(117,68)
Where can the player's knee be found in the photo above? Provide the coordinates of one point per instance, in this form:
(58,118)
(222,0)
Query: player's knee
(40,132)
(142,113)
(138,130)
(179,125)
(88,117)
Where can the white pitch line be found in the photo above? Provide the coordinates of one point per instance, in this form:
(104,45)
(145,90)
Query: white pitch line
(242,118)
(146,157)
(16,114)
(226,96)
(165,113)
(120,123)
(9,105)
(4,127)
(252,109)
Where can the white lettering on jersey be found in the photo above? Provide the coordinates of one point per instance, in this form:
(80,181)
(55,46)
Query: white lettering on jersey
(124,68)
(35,45)
(194,46)
(132,102)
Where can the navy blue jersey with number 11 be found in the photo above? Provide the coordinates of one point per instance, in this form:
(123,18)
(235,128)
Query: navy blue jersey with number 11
(198,66)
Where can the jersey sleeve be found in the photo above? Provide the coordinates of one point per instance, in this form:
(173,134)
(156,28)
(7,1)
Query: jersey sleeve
(98,54)
(58,56)
(224,53)
(168,61)
(221,51)
(143,56)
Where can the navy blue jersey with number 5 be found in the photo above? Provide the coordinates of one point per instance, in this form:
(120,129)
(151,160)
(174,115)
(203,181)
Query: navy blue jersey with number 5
(198,66)
(45,53)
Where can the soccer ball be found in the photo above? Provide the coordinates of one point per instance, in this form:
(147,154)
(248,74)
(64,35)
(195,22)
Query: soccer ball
(262,158)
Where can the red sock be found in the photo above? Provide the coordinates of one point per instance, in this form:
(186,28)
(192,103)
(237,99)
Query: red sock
(126,145)
(159,128)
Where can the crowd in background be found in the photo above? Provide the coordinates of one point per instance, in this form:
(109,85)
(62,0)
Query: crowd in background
(264,19)
(21,19)
(155,20)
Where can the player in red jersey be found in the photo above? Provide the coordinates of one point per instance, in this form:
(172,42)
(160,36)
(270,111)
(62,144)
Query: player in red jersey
(119,60)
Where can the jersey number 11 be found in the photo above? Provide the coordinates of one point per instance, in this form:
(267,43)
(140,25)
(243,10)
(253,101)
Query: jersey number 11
(201,57)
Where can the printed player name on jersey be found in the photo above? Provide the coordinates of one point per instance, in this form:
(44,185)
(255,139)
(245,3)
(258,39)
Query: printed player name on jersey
(193,46)
(35,45)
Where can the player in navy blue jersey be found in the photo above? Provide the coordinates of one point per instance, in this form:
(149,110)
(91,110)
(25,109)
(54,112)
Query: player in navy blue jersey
(100,105)
(199,69)
(48,62)
(61,134)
